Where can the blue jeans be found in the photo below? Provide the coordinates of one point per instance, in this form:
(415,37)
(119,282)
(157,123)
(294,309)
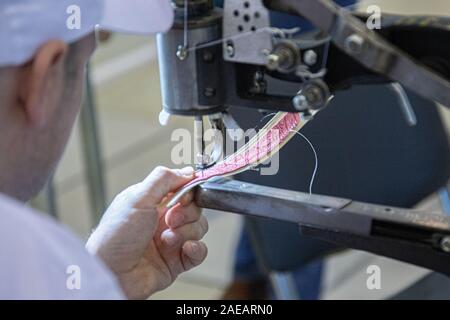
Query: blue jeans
(445,200)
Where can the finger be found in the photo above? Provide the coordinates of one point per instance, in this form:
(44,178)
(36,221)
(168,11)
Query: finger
(187,199)
(179,215)
(192,231)
(161,182)
(193,253)
(184,201)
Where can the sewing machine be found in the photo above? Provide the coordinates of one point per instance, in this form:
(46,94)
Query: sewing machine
(213,60)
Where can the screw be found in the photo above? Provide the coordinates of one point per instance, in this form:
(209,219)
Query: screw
(300,102)
(230,49)
(354,43)
(310,57)
(259,76)
(182,52)
(445,244)
(259,84)
(273,61)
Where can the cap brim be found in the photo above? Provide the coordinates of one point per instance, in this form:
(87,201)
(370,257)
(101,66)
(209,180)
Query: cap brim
(137,16)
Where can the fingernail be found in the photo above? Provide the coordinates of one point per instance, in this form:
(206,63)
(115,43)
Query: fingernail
(187,171)
(194,248)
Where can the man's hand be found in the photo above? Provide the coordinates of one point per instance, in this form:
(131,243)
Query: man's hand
(146,245)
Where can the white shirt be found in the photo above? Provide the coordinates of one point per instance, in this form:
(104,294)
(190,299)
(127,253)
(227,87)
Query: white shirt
(40,259)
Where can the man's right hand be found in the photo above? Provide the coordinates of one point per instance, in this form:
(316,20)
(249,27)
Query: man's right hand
(145,244)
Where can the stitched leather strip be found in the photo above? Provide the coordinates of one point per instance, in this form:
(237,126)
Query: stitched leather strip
(269,141)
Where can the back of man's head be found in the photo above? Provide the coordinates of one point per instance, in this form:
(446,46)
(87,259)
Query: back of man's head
(45,45)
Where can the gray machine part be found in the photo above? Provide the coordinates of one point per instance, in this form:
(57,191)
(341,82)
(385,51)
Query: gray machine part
(411,236)
(247,27)
(368,48)
(179,74)
(433,286)
(92,153)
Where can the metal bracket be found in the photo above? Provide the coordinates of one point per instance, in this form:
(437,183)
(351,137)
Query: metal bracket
(246,26)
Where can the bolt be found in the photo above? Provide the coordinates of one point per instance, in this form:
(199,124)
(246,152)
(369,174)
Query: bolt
(259,76)
(259,87)
(445,244)
(310,57)
(210,92)
(354,43)
(300,102)
(273,61)
(230,49)
(259,84)
(182,52)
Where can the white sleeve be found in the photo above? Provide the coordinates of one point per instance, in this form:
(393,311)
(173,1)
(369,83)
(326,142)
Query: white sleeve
(40,259)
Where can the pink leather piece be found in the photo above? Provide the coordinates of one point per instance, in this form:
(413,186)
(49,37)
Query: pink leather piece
(267,142)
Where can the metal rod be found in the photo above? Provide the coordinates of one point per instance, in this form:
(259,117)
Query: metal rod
(405,104)
(92,153)
(199,131)
(186,25)
(329,212)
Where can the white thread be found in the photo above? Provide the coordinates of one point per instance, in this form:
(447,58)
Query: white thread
(316,167)
(266,116)
(271,30)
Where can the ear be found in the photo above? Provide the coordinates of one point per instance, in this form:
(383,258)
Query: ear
(40,82)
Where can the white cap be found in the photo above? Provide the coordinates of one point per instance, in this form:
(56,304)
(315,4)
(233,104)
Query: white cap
(26,24)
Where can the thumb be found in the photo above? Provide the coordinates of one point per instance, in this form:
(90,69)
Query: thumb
(163,181)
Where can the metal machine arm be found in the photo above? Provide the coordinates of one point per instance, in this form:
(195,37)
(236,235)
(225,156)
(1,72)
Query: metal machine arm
(367,47)
(416,237)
